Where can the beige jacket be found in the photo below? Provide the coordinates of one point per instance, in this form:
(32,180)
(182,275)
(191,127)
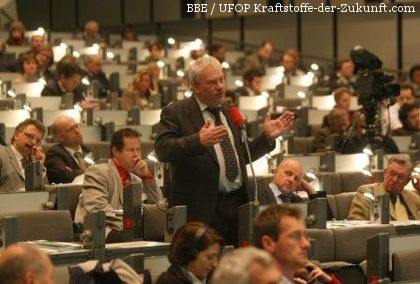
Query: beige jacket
(359,209)
(103,191)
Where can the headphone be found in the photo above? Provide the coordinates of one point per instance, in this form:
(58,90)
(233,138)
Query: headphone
(197,237)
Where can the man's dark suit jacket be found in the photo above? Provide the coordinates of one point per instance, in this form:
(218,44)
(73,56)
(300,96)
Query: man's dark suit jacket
(61,166)
(195,169)
(266,197)
(53,89)
(102,80)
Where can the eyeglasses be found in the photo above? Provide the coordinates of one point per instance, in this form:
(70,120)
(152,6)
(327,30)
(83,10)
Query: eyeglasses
(400,177)
(32,137)
(298,236)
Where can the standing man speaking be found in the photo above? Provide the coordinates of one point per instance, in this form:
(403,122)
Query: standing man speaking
(207,155)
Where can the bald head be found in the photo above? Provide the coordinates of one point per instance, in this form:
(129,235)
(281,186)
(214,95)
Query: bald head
(93,64)
(288,176)
(22,263)
(67,132)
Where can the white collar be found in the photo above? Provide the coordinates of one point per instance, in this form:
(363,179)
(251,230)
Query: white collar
(72,151)
(202,106)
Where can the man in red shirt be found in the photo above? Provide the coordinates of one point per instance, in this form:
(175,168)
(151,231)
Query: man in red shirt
(104,183)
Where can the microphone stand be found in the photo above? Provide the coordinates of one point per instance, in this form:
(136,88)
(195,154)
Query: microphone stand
(244,137)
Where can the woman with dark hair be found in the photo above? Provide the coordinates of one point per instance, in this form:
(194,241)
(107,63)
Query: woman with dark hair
(29,69)
(193,255)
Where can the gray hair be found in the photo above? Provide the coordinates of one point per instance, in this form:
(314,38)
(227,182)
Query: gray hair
(336,114)
(195,68)
(234,267)
(19,259)
(401,160)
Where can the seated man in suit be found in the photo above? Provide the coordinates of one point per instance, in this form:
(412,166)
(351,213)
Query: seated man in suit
(93,71)
(280,230)
(23,263)
(287,180)
(409,116)
(252,83)
(65,160)
(404,204)
(104,183)
(68,79)
(338,122)
(25,147)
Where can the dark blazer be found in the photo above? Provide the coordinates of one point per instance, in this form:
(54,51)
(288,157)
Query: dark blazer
(266,197)
(103,83)
(61,166)
(241,92)
(53,89)
(194,168)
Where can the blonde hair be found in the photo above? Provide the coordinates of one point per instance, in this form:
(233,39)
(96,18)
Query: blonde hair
(132,86)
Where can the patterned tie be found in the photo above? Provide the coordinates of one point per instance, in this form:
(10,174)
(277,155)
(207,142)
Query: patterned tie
(24,162)
(231,163)
(80,160)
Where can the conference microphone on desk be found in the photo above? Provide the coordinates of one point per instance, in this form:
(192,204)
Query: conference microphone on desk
(239,120)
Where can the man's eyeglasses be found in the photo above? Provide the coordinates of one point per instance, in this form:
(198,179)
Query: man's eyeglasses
(32,137)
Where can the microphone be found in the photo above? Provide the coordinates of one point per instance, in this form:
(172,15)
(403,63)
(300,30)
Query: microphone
(239,120)
(237,117)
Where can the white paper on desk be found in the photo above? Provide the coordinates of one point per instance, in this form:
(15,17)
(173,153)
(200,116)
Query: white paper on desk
(79,179)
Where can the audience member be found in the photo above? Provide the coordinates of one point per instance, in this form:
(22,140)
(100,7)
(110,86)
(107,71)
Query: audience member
(218,51)
(342,98)
(290,62)
(338,121)
(65,160)
(28,73)
(44,58)
(409,116)
(356,140)
(91,33)
(252,83)
(16,34)
(155,50)
(261,59)
(104,183)
(154,73)
(197,53)
(25,147)
(202,144)
(128,34)
(25,264)
(247,266)
(95,75)
(287,181)
(404,204)
(69,75)
(230,99)
(389,116)
(415,79)
(138,92)
(343,76)
(193,255)
(37,40)
(280,231)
